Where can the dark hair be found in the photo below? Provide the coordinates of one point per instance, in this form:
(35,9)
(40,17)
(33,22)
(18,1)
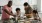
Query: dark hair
(26,4)
(17,9)
(35,11)
(9,3)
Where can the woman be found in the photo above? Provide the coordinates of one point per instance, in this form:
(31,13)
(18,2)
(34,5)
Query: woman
(28,10)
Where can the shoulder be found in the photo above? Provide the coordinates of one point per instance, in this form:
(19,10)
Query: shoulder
(4,7)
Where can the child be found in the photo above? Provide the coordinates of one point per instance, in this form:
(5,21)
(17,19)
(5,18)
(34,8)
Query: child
(36,16)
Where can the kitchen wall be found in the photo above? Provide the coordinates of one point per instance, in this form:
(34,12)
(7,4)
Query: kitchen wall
(33,3)
(39,5)
(3,2)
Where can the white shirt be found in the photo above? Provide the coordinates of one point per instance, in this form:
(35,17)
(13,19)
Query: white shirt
(21,14)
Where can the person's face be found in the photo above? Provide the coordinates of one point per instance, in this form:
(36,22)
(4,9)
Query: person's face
(25,7)
(18,11)
(10,4)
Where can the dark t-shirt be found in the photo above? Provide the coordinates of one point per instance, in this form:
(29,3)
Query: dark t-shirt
(28,10)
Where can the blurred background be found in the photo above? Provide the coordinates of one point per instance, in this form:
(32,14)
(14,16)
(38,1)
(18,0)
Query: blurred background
(35,4)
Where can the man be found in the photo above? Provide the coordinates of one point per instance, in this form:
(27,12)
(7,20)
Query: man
(28,10)
(7,11)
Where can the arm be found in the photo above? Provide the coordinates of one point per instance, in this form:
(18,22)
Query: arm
(12,13)
(7,12)
(5,9)
(28,14)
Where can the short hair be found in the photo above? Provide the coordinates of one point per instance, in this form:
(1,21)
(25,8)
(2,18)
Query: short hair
(25,4)
(17,9)
(35,11)
(9,2)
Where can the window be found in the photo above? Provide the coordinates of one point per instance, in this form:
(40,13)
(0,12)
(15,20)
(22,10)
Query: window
(1,9)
